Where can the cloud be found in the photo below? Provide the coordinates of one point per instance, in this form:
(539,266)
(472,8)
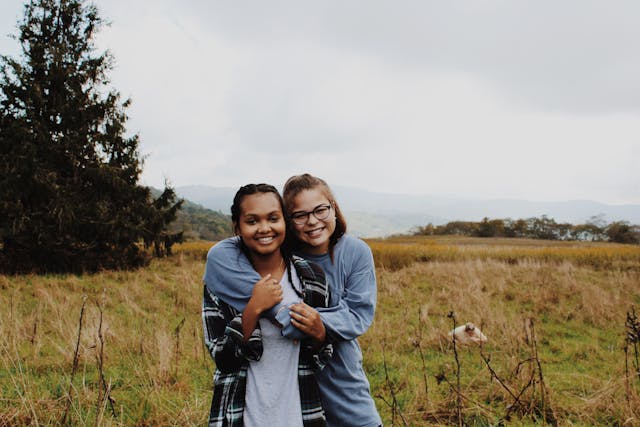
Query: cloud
(573,56)
(524,99)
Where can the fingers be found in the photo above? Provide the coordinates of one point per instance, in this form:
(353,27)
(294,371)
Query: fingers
(299,316)
(302,308)
(304,314)
(269,282)
(264,279)
(300,324)
(308,321)
(268,291)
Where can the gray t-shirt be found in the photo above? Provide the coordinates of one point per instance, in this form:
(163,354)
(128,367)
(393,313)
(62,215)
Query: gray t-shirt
(272,396)
(344,387)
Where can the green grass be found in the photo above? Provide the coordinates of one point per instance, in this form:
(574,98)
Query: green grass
(576,295)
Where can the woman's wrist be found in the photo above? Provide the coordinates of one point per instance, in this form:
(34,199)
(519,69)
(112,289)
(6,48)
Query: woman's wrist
(320,337)
(253,307)
(318,342)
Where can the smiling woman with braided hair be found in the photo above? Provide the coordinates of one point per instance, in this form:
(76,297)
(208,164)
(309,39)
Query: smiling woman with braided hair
(262,378)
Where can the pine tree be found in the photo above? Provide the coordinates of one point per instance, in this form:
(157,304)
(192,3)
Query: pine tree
(69,193)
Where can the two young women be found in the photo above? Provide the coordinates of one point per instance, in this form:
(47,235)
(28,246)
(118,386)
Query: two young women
(317,232)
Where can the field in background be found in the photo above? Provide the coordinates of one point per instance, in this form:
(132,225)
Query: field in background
(554,313)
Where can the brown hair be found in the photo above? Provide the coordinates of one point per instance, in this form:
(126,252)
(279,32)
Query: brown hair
(298,183)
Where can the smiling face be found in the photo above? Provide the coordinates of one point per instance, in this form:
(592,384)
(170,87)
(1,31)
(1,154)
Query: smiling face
(261,223)
(314,233)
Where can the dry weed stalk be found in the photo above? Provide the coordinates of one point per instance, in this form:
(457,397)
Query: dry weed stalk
(633,337)
(103,384)
(176,332)
(517,398)
(441,377)
(548,414)
(34,332)
(627,386)
(452,316)
(535,377)
(418,343)
(394,405)
(74,367)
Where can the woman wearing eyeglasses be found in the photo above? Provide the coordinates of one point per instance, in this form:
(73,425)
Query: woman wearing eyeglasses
(319,235)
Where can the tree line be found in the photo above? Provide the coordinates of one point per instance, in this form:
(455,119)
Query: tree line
(538,228)
(70,197)
(199,223)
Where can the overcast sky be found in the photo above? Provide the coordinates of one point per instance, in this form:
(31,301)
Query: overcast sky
(537,100)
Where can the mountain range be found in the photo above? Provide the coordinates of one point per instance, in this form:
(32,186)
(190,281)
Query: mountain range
(373,214)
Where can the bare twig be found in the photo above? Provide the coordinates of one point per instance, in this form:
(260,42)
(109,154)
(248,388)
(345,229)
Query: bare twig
(196,347)
(452,316)
(395,407)
(495,375)
(35,329)
(516,371)
(627,386)
(418,344)
(484,408)
(177,345)
(530,383)
(543,387)
(103,383)
(633,337)
(74,367)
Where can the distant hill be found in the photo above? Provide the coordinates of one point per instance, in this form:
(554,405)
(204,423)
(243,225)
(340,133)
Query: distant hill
(372,214)
(198,222)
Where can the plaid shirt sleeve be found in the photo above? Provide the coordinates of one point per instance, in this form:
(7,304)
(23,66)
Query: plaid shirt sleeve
(316,294)
(319,357)
(223,336)
(312,359)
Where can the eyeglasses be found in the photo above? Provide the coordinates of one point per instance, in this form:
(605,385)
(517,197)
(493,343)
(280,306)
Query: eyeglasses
(321,212)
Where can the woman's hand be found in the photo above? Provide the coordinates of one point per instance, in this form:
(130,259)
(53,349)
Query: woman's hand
(307,319)
(266,293)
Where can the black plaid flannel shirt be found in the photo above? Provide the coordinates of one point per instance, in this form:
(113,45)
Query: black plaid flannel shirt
(224,340)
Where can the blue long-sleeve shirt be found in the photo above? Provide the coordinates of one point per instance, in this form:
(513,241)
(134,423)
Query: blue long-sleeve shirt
(343,384)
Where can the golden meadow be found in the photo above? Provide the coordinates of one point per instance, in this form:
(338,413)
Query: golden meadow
(126,348)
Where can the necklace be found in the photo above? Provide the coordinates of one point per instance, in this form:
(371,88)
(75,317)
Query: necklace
(276,271)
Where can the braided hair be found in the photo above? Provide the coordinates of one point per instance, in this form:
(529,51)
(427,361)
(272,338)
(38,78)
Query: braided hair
(236,211)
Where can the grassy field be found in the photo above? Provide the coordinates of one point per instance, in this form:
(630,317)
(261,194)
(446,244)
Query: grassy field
(125,348)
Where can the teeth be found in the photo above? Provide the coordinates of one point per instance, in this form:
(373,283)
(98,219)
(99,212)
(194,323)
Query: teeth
(265,239)
(315,233)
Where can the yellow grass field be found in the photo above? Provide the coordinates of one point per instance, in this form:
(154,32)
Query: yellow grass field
(125,348)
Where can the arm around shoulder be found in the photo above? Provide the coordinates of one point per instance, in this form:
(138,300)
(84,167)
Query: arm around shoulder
(355,309)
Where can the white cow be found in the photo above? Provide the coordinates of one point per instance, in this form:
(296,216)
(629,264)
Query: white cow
(468,334)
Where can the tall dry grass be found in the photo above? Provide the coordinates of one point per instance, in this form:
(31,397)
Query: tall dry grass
(576,296)
(564,302)
(394,254)
(157,374)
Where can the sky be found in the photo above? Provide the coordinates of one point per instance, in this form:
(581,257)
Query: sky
(535,100)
